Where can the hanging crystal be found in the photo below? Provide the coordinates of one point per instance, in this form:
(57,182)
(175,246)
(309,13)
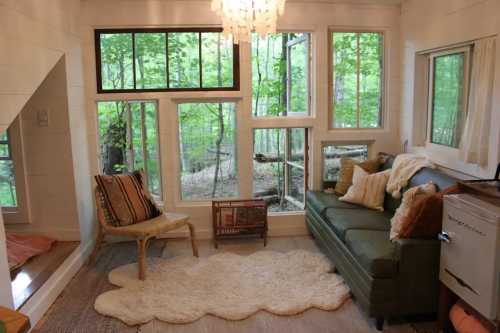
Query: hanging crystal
(241,17)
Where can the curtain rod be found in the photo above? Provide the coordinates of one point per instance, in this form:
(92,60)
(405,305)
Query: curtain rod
(450,46)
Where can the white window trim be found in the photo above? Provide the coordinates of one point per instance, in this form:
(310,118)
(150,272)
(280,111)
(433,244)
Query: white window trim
(20,214)
(467,50)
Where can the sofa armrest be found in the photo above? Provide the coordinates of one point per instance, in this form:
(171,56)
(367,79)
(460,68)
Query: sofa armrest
(418,278)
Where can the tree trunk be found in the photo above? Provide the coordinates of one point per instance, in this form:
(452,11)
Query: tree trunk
(259,79)
(284,85)
(220,118)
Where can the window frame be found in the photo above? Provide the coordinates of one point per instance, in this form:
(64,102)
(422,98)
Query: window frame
(467,51)
(324,144)
(130,147)
(309,39)
(97,45)
(290,44)
(383,84)
(178,150)
(288,165)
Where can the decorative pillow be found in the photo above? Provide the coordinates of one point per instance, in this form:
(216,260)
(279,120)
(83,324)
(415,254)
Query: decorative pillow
(425,218)
(367,189)
(409,197)
(347,169)
(127,201)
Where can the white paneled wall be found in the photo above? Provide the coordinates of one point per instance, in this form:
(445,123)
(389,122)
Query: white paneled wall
(34,36)
(48,161)
(428,24)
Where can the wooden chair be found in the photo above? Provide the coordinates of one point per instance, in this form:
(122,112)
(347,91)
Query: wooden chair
(142,232)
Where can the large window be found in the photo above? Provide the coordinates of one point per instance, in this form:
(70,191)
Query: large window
(207,136)
(8,194)
(280,167)
(128,140)
(281,74)
(448,91)
(357,79)
(165,59)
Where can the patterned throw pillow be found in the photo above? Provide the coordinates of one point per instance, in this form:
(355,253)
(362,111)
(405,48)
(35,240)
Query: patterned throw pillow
(347,169)
(400,218)
(126,199)
(367,189)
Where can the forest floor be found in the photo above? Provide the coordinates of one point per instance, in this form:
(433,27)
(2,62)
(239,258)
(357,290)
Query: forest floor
(199,185)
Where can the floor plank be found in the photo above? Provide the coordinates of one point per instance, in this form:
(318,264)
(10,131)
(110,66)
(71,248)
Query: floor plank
(73,311)
(36,271)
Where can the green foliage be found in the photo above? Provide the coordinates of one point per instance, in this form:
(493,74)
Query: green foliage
(447,99)
(357,56)
(8,195)
(116,61)
(200,127)
(184,60)
(270,66)
(128,138)
(150,60)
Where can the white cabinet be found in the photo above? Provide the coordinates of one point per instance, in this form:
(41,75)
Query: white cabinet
(470,253)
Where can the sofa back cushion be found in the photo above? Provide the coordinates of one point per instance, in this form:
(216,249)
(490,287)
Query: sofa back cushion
(440,179)
(390,203)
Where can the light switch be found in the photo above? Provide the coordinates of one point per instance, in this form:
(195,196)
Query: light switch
(43,117)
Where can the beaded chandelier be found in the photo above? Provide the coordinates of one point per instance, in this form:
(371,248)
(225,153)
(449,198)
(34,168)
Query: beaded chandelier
(241,17)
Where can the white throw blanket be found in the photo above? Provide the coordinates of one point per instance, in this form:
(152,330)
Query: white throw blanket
(403,168)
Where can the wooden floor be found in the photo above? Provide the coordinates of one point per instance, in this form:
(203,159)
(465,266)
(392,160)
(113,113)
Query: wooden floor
(32,275)
(73,311)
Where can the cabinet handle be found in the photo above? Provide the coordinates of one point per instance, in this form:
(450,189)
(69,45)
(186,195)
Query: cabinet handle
(444,237)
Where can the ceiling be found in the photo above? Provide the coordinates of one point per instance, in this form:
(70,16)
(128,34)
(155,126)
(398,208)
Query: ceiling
(371,2)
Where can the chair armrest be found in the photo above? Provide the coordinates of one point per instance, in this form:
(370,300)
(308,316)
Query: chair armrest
(418,281)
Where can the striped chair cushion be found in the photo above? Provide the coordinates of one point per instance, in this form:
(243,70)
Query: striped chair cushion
(126,199)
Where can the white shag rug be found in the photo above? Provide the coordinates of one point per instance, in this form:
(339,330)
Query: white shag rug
(226,285)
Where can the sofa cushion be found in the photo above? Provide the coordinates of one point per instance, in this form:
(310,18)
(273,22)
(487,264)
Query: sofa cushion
(320,201)
(440,179)
(343,220)
(373,251)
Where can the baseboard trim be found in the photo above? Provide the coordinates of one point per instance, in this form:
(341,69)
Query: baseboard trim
(40,302)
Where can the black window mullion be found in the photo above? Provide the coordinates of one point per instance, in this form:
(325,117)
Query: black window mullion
(166,59)
(133,32)
(133,60)
(200,66)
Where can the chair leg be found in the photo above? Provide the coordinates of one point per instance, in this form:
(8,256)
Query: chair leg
(97,246)
(141,258)
(193,239)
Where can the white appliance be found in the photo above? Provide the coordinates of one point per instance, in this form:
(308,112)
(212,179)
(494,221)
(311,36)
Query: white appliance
(470,253)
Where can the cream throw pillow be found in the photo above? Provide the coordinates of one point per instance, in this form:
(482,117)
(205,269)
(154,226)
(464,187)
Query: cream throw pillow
(404,209)
(367,189)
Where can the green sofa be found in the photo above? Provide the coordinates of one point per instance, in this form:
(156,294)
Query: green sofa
(387,279)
